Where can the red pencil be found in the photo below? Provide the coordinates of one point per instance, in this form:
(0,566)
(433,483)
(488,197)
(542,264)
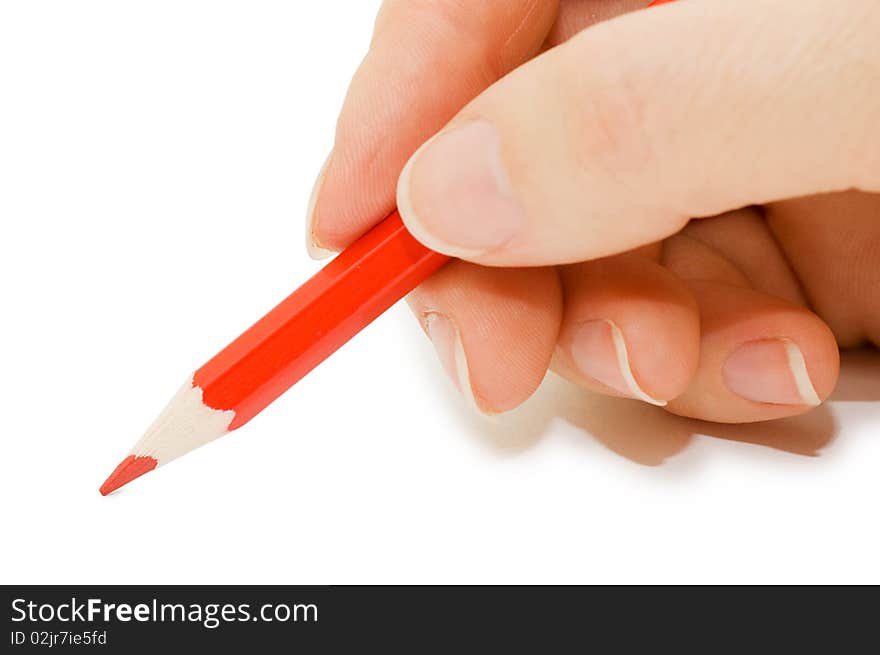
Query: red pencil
(302,331)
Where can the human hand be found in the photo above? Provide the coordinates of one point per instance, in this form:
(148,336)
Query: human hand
(568,187)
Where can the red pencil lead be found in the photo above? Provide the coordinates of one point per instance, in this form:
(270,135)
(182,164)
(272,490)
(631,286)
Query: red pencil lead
(130,468)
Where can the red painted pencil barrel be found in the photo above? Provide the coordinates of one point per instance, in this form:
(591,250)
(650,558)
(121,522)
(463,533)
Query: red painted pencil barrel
(315,320)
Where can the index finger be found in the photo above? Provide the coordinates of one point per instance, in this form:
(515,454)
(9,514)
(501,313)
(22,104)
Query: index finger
(427,59)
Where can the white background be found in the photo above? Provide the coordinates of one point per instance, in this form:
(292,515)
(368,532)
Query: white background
(155,163)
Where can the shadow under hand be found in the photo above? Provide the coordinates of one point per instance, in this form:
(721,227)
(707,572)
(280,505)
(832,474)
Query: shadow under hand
(637,431)
(805,435)
(645,434)
(648,435)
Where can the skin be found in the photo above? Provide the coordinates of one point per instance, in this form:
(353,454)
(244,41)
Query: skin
(703,174)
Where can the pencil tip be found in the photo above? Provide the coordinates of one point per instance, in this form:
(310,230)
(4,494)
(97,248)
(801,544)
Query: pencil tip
(130,468)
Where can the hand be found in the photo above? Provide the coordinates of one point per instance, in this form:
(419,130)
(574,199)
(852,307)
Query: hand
(568,189)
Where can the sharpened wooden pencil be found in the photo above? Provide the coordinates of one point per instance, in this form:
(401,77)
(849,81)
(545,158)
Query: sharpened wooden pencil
(298,334)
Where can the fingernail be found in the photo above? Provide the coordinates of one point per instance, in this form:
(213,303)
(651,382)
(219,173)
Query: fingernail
(447,342)
(599,352)
(454,194)
(315,251)
(770,371)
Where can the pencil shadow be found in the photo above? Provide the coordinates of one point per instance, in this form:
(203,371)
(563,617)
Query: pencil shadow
(649,436)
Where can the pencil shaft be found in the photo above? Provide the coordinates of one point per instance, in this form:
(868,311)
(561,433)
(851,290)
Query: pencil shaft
(315,320)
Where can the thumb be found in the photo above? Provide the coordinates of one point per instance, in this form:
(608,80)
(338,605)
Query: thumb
(616,138)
